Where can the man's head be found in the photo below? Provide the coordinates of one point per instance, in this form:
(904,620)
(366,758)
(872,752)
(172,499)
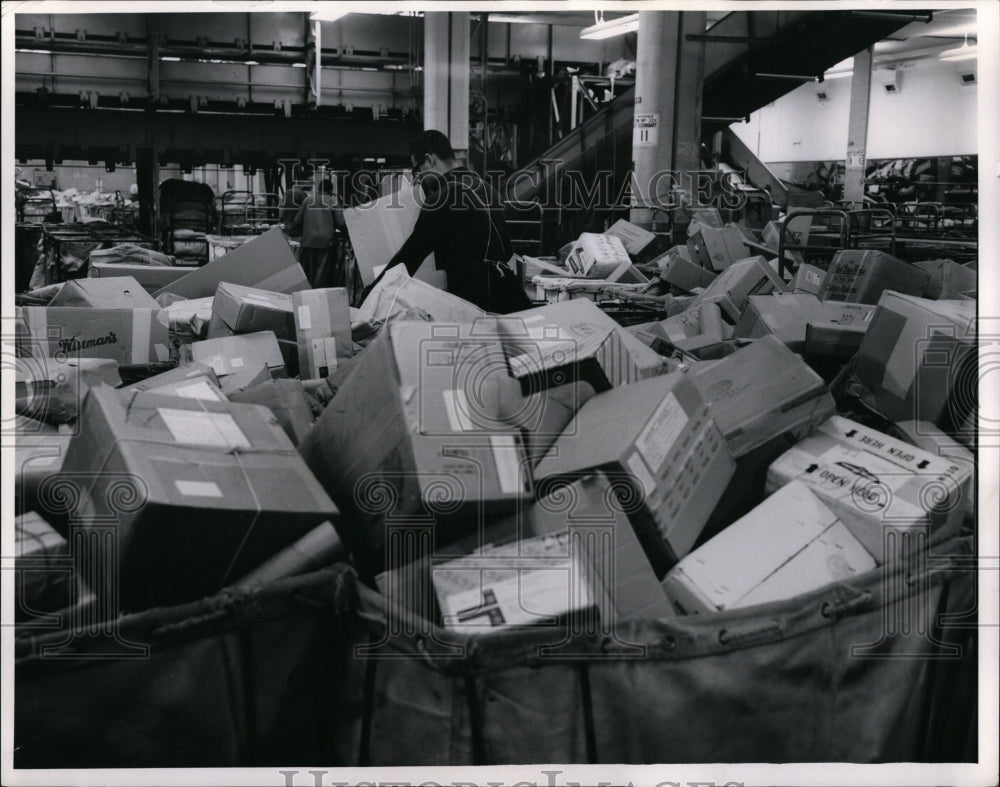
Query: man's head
(431,152)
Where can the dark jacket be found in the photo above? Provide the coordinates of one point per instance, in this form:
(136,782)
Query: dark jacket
(462,223)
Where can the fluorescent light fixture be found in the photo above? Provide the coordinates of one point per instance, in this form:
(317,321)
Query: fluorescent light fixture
(168,59)
(838,74)
(327,16)
(611,28)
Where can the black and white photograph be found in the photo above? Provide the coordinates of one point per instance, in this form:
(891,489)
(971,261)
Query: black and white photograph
(523,394)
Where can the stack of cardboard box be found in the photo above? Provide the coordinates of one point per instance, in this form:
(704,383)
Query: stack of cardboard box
(488,472)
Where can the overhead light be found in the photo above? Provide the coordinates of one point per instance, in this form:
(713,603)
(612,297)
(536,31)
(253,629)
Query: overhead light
(838,74)
(168,59)
(611,27)
(331,15)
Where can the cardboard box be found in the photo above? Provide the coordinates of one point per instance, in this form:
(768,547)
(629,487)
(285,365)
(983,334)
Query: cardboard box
(266,262)
(217,328)
(574,340)
(797,233)
(760,392)
(837,329)
(880,487)
(189,319)
(537,581)
(128,336)
(119,292)
(51,389)
(398,293)
(731,288)
(543,416)
(717,249)
(917,360)
(287,400)
(254,373)
(322,330)
(230,354)
(788,545)
(782,314)
(194,381)
(947,279)
(657,440)
(678,270)
(808,279)
(862,275)
(249,310)
(420,415)
(705,217)
(379,229)
(215,489)
(699,331)
(634,239)
(150,277)
(578,531)
(597,256)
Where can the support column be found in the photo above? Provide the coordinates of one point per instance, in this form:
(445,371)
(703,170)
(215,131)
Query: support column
(147,177)
(446,76)
(667,126)
(857,128)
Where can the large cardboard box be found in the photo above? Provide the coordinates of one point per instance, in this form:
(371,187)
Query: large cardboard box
(322,330)
(947,279)
(544,415)
(918,360)
(635,239)
(151,278)
(194,493)
(699,331)
(287,400)
(51,389)
(781,314)
(398,293)
(597,256)
(119,292)
(836,330)
(731,288)
(249,310)
(678,269)
(717,249)
(266,262)
(760,392)
(128,336)
(862,275)
(379,229)
(580,530)
(193,381)
(658,443)
(230,354)
(883,489)
(808,279)
(418,428)
(788,545)
(574,340)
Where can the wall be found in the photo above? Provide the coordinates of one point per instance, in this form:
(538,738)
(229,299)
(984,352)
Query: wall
(933,115)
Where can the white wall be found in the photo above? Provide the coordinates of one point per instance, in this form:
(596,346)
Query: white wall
(933,115)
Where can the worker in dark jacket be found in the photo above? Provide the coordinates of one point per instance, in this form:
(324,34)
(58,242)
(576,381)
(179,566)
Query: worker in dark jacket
(461,223)
(317,220)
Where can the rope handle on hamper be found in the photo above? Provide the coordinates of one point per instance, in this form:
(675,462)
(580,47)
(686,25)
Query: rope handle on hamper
(752,635)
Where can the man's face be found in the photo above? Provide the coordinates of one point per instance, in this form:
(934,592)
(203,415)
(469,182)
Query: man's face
(430,163)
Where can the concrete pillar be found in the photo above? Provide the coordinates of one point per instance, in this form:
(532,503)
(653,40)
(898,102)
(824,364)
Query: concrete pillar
(446,76)
(857,128)
(666,135)
(147,178)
